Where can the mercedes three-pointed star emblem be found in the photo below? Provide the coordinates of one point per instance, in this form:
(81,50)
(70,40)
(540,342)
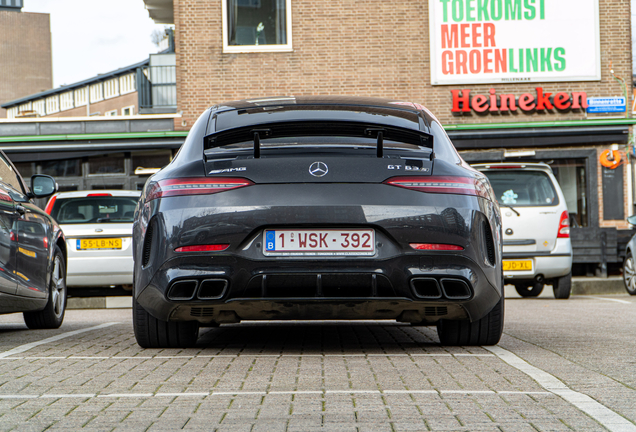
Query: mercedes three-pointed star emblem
(318,169)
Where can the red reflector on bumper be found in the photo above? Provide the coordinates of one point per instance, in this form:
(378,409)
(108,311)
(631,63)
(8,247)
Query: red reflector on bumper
(436,247)
(203,248)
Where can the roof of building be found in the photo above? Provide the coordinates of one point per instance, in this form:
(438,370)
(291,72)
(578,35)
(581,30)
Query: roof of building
(65,88)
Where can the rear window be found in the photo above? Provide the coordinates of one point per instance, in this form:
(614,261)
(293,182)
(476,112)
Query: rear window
(98,209)
(523,188)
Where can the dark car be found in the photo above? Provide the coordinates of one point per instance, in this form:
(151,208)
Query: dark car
(317,208)
(629,266)
(32,251)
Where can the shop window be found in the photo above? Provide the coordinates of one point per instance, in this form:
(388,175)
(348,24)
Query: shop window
(107,186)
(8,176)
(66,188)
(108,164)
(572,177)
(149,162)
(256,25)
(26,170)
(62,168)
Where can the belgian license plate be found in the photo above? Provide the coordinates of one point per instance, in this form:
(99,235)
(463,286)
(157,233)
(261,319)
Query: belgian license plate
(316,242)
(519,265)
(101,243)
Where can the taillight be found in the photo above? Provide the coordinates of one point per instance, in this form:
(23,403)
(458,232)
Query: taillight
(45,242)
(444,184)
(436,247)
(49,205)
(203,248)
(194,186)
(98,194)
(564,225)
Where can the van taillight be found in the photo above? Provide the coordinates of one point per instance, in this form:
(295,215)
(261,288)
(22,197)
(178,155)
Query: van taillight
(194,186)
(564,225)
(444,184)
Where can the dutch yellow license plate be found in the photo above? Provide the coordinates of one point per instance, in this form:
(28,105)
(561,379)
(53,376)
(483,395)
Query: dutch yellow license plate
(521,265)
(102,243)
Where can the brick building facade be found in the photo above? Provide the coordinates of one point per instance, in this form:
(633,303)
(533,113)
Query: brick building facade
(25,54)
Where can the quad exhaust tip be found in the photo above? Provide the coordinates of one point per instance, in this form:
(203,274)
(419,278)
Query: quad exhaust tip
(208,289)
(432,289)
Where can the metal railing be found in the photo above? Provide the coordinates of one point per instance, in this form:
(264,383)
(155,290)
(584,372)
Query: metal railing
(157,87)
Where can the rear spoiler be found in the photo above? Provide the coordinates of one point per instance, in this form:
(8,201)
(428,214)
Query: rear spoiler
(318,128)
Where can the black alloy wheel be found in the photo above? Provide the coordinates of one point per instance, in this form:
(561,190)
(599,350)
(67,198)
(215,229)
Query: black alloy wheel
(629,274)
(52,315)
(486,331)
(153,333)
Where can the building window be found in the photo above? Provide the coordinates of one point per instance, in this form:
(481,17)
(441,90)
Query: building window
(97,92)
(127,83)
(25,108)
(62,168)
(128,111)
(12,112)
(572,177)
(256,25)
(110,164)
(38,107)
(66,100)
(111,88)
(81,96)
(52,104)
(111,113)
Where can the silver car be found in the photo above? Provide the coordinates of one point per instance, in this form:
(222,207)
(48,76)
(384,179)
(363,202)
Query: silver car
(536,227)
(98,230)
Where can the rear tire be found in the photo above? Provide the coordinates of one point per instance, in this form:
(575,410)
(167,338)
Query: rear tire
(153,333)
(532,290)
(486,331)
(563,286)
(52,316)
(629,274)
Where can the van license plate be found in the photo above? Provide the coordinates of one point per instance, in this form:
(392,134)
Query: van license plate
(102,243)
(520,265)
(317,242)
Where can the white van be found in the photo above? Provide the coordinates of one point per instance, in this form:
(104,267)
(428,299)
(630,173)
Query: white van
(536,227)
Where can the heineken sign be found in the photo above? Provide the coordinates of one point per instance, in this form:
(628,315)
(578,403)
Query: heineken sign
(508,41)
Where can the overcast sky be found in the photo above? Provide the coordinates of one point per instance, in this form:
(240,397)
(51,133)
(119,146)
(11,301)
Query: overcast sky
(95,36)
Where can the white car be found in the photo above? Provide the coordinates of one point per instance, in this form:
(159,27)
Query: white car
(98,230)
(536,227)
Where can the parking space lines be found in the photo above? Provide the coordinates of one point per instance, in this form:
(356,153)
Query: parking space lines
(608,418)
(274,393)
(273,356)
(607,299)
(26,347)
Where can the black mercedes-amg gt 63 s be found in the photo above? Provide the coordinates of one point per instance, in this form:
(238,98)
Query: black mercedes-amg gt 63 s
(317,208)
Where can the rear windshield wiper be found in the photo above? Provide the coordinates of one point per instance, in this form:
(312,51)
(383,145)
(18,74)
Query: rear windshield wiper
(511,208)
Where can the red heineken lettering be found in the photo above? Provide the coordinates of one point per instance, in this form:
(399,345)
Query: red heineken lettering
(464,102)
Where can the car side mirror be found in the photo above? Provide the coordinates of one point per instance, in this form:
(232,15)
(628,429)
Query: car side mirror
(632,219)
(42,186)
